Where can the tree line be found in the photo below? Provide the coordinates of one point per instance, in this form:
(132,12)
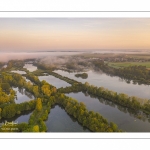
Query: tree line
(93,121)
(47,96)
(122,99)
(139,74)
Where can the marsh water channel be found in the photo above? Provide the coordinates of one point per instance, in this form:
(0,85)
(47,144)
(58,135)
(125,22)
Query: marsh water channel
(59,121)
(127,120)
(21,96)
(113,83)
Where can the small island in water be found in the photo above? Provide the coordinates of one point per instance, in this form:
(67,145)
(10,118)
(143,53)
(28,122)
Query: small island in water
(82,75)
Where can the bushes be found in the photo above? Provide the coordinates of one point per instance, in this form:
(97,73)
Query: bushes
(82,75)
(11,110)
(93,121)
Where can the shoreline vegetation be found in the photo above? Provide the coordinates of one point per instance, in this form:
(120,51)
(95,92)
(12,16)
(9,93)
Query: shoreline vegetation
(82,75)
(139,74)
(46,96)
(135,103)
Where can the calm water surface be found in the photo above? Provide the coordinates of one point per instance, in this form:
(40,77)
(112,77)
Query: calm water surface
(19,72)
(19,119)
(54,81)
(60,121)
(117,114)
(22,95)
(111,83)
(30,67)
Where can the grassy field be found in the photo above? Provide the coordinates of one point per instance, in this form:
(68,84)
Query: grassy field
(126,64)
(138,56)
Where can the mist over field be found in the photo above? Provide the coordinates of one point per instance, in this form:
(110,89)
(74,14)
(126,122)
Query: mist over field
(47,57)
(4,57)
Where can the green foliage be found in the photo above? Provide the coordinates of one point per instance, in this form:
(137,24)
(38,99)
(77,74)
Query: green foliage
(82,75)
(48,96)
(94,121)
(5,86)
(38,104)
(11,110)
(137,73)
(36,128)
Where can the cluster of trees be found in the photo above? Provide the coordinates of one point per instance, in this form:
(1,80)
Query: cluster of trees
(13,79)
(39,115)
(50,72)
(5,98)
(71,66)
(7,95)
(33,78)
(68,80)
(136,73)
(16,64)
(76,87)
(132,102)
(47,95)
(9,111)
(44,66)
(5,87)
(93,121)
(82,75)
(122,99)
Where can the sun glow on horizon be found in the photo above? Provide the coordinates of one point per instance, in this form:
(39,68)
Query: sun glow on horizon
(76,33)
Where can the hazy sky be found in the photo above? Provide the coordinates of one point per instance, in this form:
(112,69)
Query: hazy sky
(74,33)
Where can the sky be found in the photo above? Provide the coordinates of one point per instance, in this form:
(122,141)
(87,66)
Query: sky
(43,34)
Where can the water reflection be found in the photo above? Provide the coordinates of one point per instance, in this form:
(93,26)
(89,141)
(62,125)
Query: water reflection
(30,67)
(126,119)
(23,117)
(22,95)
(60,121)
(54,81)
(113,83)
(19,72)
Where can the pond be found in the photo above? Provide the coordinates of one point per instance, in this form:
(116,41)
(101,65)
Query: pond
(19,72)
(19,118)
(124,118)
(60,121)
(30,67)
(54,81)
(22,95)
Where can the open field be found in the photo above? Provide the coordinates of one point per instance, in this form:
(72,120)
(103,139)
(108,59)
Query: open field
(126,64)
(99,55)
(138,56)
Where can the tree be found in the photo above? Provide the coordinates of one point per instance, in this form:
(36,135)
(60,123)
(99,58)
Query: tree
(35,90)
(38,104)
(36,128)
(5,86)
(113,126)
(0,112)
